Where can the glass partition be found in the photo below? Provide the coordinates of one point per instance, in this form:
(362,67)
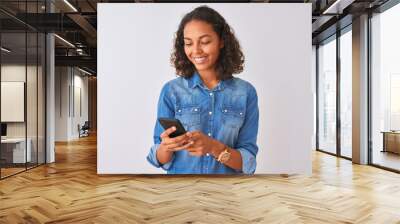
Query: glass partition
(22,77)
(33,72)
(41,87)
(327,96)
(13,110)
(32,95)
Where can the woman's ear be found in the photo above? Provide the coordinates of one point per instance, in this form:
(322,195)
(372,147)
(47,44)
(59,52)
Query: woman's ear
(221,44)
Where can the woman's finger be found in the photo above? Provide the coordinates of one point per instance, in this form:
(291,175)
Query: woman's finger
(167,132)
(183,146)
(173,146)
(195,135)
(193,149)
(177,140)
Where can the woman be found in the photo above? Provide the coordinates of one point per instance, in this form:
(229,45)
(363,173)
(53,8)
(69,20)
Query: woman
(218,111)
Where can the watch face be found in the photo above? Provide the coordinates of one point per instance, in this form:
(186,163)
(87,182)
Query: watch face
(225,157)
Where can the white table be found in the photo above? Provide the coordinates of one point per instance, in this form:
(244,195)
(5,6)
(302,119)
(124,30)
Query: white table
(19,155)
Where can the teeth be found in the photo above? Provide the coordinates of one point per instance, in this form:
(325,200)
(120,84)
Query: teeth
(199,59)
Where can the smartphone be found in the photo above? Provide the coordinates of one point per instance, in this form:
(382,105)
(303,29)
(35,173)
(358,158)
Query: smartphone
(170,122)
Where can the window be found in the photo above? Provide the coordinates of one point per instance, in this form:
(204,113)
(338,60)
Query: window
(346,93)
(385,88)
(327,96)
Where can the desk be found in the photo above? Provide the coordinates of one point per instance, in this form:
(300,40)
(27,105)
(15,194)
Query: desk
(13,150)
(391,141)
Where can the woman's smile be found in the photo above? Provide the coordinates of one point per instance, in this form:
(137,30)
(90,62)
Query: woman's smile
(200,60)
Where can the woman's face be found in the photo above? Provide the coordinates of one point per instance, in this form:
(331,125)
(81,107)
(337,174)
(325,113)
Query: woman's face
(202,45)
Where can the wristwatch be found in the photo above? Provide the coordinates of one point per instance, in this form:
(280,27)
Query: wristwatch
(224,156)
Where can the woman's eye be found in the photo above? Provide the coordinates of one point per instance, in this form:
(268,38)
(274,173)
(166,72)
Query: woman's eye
(205,42)
(188,44)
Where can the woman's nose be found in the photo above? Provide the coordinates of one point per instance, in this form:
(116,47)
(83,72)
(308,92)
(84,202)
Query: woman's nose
(197,48)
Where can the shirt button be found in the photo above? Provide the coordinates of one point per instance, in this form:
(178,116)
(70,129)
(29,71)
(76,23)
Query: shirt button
(211,94)
(179,110)
(195,109)
(225,111)
(208,154)
(209,134)
(210,113)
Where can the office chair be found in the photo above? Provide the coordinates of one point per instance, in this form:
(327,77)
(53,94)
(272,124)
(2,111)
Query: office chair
(84,130)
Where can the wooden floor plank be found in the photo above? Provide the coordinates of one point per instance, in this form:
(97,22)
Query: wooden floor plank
(70,191)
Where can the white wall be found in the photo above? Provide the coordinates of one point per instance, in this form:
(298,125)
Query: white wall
(61,103)
(67,84)
(81,94)
(134,45)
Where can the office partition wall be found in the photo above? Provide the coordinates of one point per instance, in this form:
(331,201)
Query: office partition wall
(13,72)
(22,64)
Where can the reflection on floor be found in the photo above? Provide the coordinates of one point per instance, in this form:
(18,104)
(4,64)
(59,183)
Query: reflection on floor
(10,171)
(386,159)
(13,169)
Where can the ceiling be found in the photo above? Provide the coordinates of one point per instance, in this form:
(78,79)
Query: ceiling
(76,22)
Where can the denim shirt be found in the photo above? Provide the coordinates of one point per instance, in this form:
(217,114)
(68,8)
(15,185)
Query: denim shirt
(227,113)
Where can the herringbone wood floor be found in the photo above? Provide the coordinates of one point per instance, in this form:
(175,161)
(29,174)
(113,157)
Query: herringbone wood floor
(70,191)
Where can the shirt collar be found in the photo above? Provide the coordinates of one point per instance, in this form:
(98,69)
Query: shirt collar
(195,80)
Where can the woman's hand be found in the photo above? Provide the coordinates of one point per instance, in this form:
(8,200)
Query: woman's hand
(202,143)
(174,144)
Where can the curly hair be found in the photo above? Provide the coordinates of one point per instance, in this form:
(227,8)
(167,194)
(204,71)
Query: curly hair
(231,58)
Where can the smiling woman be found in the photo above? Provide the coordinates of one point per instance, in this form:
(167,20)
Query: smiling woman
(219,112)
(202,45)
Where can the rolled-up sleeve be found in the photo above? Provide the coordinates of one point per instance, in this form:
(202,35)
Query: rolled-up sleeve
(247,139)
(152,158)
(165,108)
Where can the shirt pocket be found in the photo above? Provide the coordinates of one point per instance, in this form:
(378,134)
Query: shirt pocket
(189,116)
(232,116)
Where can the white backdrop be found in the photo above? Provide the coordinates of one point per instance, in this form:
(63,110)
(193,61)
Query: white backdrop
(134,46)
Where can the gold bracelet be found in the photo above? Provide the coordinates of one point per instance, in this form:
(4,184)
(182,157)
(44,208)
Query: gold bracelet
(224,151)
